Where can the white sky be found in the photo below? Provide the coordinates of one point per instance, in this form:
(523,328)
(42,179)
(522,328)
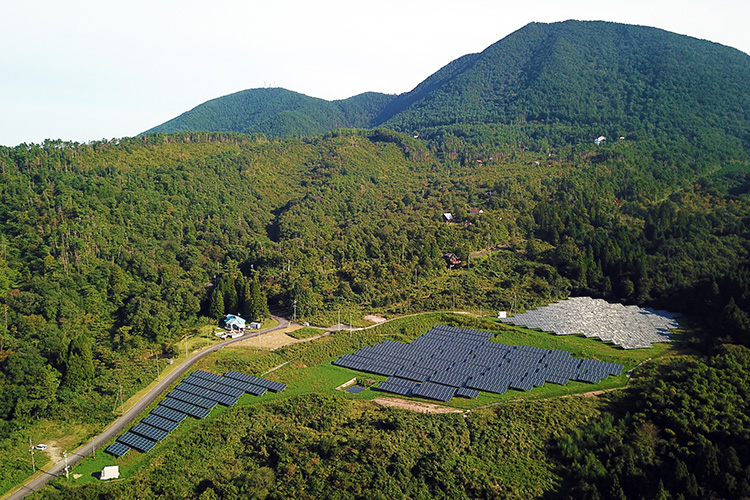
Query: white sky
(85,70)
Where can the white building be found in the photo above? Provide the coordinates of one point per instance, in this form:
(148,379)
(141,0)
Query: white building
(599,140)
(110,472)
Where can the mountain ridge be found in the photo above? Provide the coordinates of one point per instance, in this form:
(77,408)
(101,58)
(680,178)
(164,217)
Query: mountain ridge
(598,77)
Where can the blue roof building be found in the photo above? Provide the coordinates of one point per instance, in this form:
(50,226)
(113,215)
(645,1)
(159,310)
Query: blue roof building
(232,321)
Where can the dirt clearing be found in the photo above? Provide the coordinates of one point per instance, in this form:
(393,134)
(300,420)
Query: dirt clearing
(269,341)
(415,406)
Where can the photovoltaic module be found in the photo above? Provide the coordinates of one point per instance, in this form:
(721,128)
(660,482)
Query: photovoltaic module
(448,361)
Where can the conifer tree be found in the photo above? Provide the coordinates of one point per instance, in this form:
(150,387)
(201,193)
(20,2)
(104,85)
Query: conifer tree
(216,306)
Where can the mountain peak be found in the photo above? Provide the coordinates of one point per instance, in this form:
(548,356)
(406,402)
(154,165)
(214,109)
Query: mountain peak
(593,76)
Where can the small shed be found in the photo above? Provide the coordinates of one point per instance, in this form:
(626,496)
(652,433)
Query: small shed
(255,325)
(448,217)
(599,140)
(110,472)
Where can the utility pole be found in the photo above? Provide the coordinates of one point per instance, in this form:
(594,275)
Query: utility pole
(339,319)
(31,450)
(67,469)
(294,316)
(93,446)
(122,400)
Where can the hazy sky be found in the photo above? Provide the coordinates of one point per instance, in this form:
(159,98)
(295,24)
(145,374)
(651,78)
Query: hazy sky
(85,70)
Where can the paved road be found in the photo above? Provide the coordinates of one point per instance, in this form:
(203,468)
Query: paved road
(118,425)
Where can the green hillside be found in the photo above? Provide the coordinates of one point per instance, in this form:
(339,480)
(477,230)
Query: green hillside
(277,112)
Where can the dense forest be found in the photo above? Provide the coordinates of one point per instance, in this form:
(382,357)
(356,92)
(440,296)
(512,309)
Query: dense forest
(111,252)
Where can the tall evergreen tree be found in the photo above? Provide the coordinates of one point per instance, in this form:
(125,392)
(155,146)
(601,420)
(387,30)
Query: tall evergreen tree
(258,299)
(216,306)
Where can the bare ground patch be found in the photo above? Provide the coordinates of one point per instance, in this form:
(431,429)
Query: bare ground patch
(375,319)
(54,452)
(270,341)
(415,406)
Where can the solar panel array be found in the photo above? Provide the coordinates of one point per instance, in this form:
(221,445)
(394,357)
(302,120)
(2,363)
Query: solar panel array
(195,396)
(630,327)
(447,362)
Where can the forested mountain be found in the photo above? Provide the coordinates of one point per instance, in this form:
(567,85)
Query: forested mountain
(604,78)
(277,112)
(596,78)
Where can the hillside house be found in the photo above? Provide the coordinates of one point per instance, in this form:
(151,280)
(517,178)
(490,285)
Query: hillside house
(448,217)
(234,322)
(476,211)
(599,140)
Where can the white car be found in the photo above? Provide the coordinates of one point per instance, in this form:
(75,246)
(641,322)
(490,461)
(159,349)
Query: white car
(40,447)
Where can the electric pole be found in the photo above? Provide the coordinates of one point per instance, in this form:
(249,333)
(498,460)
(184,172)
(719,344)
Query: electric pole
(67,469)
(31,450)
(122,400)
(294,316)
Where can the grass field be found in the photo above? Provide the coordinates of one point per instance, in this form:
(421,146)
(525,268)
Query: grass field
(307,368)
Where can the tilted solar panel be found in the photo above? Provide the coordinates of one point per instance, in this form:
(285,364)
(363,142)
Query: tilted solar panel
(117,449)
(207,375)
(199,382)
(181,406)
(467,393)
(192,399)
(149,431)
(137,442)
(169,414)
(270,385)
(161,422)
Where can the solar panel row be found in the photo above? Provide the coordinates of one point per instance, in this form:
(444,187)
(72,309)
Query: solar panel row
(195,396)
(169,414)
(117,449)
(160,422)
(260,382)
(140,443)
(149,431)
(456,358)
(210,394)
(628,326)
(182,406)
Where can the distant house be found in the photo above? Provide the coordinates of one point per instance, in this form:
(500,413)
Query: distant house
(452,260)
(448,217)
(599,140)
(476,211)
(255,325)
(110,472)
(234,322)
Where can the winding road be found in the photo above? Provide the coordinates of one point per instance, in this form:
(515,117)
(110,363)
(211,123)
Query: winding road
(44,477)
